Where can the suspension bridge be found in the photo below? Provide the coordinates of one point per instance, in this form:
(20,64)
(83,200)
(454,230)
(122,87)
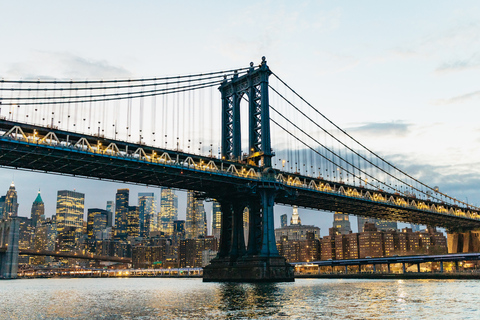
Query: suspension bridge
(243,137)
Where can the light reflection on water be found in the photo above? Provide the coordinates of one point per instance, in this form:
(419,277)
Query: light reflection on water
(153,298)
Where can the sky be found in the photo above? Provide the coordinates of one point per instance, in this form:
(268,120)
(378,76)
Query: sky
(402,77)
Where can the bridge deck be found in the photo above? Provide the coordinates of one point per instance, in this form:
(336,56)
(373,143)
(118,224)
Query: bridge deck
(55,151)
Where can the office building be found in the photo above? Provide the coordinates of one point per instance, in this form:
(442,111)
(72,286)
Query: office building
(196,220)
(38,210)
(10,206)
(97,221)
(168,211)
(69,213)
(121,213)
(133,222)
(147,210)
(216,219)
(341,223)
(111,213)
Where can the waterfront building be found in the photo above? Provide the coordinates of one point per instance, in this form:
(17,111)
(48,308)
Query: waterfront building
(147,210)
(69,213)
(38,211)
(300,250)
(121,213)
(283,220)
(10,207)
(196,220)
(377,243)
(370,242)
(168,211)
(151,254)
(111,213)
(191,251)
(216,219)
(341,222)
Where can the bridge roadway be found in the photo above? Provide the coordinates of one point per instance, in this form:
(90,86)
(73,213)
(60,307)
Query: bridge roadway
(42,149)
(452,257)
(67,254)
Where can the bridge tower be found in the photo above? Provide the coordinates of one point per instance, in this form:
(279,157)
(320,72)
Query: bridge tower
(9,236)
(260,261)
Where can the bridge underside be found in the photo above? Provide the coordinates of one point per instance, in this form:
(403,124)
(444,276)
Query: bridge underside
(210,184)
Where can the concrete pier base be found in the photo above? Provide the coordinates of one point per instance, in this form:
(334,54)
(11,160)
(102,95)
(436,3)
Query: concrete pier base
(249,269)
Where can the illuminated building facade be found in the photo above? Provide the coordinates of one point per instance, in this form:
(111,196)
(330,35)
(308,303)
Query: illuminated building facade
(147,213)
(168,211)
(97,221)
(342,223)
(216,219)
(10,206)
(196,220)
(69,213)
(121,213)
(133,222)
(111,213)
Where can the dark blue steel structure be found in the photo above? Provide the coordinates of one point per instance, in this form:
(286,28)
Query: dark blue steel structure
(261,260)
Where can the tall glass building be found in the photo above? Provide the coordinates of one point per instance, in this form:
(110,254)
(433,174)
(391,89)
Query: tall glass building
(216,219)
(196,222)
(10,207)
(168,211)
(69,213)
(121,213)
(147,209)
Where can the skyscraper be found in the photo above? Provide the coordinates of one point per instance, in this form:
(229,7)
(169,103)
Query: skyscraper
(133,222)
(196,218)
(111,213)
(216,219)
(121,213)
(97,220)
(146,213)
(341,223)
(38,210)
(168,211)
(10,208)
(295,220)
(70,211)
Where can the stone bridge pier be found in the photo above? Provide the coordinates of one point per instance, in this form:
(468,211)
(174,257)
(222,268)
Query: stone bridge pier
(9,236)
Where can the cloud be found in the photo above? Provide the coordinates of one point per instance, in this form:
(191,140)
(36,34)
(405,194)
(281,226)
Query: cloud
(456,65)
(458,99)
(64,65)
(397,128)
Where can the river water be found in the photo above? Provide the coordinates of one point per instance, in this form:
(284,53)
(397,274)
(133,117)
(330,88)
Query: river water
(156,298)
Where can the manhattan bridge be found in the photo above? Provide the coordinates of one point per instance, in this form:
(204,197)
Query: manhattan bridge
(243,137)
